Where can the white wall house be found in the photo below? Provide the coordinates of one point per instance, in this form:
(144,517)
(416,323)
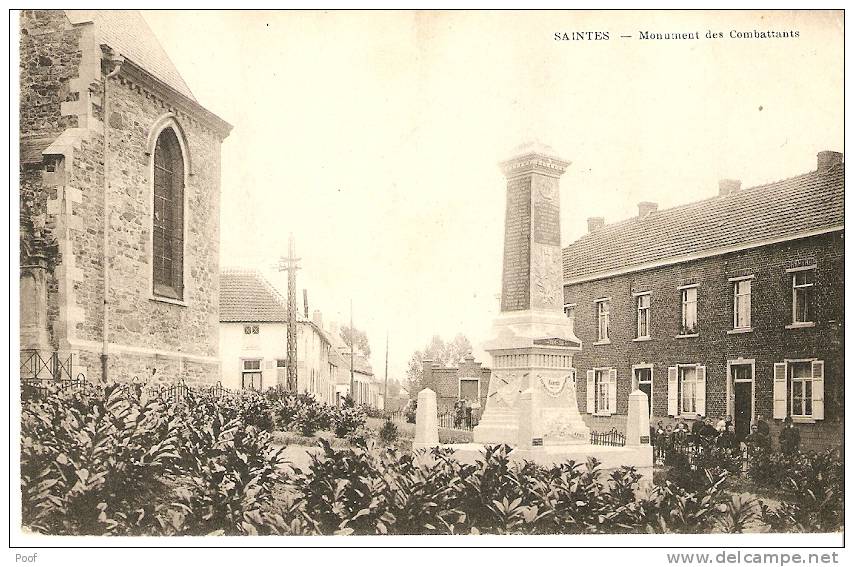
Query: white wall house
(253,339)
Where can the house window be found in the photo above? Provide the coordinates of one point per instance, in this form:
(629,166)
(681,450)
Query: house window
(689,311)
(643,316)
(168,220)
(251,375)
(281,363)
(802,296)
(569,310)
(603,318)
(603,385)
(741,305)
(688,387)
(251,329)
(800,375)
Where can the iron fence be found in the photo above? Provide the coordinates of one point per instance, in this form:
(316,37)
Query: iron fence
(34,366)
(665,451)
(611,438)
(40,387)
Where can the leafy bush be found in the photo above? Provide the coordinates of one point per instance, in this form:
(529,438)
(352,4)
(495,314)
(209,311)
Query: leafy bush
(105,462)
(388,433)
(367,490)
(347,420)
(80,451)
(813,494)
(302,413)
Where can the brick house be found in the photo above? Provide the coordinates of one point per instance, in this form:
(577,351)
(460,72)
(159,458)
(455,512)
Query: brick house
(119,218)
(731,305)
(468,381)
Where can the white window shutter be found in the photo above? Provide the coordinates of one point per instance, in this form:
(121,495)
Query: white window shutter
(591,399)
(818,389)
(779,390)
(672,391)
(612,391)
(701,390)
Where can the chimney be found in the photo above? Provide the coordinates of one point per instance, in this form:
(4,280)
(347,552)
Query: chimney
(827,160)
(728,186)
(317,317)
(646,207)
(595,223)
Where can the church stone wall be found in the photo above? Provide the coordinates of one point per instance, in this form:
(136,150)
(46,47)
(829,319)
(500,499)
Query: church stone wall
(62,81)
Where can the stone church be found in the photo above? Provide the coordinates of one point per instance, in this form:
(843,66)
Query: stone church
(119,204)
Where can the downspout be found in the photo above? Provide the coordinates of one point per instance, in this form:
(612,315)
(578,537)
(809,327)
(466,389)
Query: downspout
(105,347)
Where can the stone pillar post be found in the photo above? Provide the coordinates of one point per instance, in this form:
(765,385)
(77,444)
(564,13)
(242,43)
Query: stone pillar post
(33,281)
(426,426)
(637,422)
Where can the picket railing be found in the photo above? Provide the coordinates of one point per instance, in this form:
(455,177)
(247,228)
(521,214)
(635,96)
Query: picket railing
(611,438)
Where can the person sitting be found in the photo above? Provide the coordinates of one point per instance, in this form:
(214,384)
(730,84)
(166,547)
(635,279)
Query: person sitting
(726,439)
(669,441)
(708,434)
(754,440)
(680,434)
(790,438)
(720,426)
(696,428)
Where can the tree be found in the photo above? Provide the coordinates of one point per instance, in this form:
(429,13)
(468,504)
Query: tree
(356,339)
(438,351)
(457,349)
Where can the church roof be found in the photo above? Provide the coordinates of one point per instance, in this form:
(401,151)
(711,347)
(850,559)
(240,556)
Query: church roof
(127,32)
(786,209)
(245,296)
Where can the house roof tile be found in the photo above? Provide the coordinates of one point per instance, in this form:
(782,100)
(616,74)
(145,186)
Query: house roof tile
(245,296)
(787,208)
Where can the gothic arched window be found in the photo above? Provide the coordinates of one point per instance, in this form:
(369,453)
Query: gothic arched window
(168,221)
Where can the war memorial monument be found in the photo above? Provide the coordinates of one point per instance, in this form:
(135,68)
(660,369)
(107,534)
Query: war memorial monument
(532,403)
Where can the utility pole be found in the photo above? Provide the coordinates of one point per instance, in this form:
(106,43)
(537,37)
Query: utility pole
(385,388)
(291,265)
(352,381)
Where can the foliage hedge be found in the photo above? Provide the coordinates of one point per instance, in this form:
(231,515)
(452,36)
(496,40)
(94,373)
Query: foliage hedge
(109,463)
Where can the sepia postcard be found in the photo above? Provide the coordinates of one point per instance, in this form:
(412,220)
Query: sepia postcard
(417,277)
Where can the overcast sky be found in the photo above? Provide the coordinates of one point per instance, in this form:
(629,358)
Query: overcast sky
(374,137)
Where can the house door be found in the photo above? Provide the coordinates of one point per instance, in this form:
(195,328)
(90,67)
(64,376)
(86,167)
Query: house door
(742,377)
(643,382)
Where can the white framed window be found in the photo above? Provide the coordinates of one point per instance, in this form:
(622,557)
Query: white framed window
(686,390)
(741,304)
(643,307)
(799,390)
(602,391)
(803,282)
(603,320)
(569,311)
(801,400)
(689,310)
(251,374)
(251,329)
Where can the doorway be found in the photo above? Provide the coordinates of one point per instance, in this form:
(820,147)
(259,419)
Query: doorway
(643,381)
(741,376)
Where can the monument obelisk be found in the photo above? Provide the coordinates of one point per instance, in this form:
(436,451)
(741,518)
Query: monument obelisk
(531,401)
